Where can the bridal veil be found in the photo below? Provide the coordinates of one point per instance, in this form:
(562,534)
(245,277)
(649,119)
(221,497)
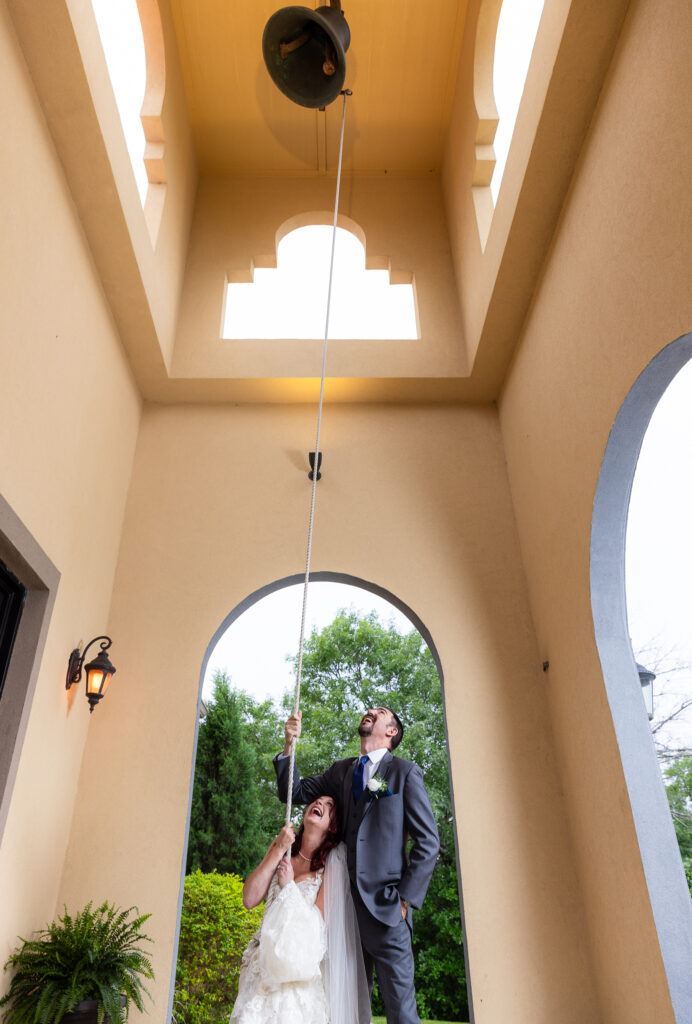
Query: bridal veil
(344,973)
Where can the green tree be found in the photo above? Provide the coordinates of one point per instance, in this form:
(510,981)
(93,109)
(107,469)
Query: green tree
(227,823)
(356,663)
(678,779)
(263,729)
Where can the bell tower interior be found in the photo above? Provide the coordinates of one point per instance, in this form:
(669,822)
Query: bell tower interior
(160,468)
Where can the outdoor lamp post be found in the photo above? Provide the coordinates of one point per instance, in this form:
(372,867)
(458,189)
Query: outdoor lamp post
(646,678)
(99,671)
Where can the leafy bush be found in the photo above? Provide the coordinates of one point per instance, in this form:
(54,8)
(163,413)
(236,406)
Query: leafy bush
(93,955)
(215,929)
(438,948)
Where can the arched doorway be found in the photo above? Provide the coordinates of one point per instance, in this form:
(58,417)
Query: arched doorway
(670,903)
(245,605)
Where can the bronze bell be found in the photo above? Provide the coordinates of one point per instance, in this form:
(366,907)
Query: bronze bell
(305,53)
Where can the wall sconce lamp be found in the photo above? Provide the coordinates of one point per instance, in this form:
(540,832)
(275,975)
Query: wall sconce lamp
(98,672)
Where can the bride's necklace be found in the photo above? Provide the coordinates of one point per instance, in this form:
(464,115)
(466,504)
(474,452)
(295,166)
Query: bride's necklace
(308,859)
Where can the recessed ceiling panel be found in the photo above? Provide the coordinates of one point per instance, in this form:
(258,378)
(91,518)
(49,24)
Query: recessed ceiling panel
(401,66)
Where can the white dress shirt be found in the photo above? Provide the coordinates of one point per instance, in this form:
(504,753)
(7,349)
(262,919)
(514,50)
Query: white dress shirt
(372,764)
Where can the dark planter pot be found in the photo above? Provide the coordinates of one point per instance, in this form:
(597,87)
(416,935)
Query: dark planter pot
(85,1013)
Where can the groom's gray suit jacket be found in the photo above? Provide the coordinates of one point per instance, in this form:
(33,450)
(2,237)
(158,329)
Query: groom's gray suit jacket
(376,830)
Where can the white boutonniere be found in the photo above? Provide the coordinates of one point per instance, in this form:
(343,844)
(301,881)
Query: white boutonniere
(377,787)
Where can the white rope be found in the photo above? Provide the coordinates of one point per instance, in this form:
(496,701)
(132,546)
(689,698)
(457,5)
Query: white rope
(311,521)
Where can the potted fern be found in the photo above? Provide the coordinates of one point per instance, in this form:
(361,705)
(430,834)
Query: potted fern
(84,969)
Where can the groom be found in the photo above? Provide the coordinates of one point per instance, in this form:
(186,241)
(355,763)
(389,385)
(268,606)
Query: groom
(384,802)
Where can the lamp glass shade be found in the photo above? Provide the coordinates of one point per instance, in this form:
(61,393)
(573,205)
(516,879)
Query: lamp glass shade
(648,694)
(97,681)
(98,675)
(646,679)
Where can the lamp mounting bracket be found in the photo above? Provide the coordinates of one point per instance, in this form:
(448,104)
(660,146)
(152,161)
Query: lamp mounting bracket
(74,666)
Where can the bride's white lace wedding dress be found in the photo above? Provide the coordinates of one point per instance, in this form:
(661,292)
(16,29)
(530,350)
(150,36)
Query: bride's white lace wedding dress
(300,968)
(281,979)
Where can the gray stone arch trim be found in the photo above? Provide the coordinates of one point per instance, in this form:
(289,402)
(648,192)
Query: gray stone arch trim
(257,595)
(668,892)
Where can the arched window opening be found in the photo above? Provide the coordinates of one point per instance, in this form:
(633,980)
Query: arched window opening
(516,34)
(505,37)
(658,844)
(290,300)
(659,601)
(121,35)
(364,649)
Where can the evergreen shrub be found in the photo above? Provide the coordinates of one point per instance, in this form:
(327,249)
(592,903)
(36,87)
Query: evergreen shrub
(215,929)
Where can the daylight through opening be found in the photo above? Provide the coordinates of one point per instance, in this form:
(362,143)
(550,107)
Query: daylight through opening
(659,606)
(290,300)
(516,35)
(650,799)
(362,651)
(120,30)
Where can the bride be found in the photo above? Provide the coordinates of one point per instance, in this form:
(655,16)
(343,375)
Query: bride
(305,964)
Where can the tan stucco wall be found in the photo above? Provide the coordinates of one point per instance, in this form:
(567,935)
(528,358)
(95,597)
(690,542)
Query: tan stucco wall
(141,277)
(416,501)
(70,416)
(615,291)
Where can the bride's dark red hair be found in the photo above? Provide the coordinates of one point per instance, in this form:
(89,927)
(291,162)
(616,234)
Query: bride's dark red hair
(331,839)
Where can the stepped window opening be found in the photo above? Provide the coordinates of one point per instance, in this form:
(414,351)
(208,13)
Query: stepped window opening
(289,301)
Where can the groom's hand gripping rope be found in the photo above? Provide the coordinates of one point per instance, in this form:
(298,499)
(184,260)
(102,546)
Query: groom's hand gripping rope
(291,731)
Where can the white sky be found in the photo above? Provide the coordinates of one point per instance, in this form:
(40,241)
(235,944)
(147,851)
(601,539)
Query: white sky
(659,553)
(254,648)
(516,34)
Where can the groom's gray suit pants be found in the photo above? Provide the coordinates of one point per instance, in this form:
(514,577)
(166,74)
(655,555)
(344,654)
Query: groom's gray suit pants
(387,949)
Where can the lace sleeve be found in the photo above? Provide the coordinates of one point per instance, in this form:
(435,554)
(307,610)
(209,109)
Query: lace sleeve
(272,892)
(292,942)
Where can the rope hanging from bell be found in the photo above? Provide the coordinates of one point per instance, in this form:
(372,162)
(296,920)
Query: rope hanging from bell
(316,463)
(305,53)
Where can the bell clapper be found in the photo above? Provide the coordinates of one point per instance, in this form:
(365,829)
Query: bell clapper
(329,66)
(295,44)
(305,52)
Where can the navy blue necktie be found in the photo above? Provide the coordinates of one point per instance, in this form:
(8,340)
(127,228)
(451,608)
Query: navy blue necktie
(357,780)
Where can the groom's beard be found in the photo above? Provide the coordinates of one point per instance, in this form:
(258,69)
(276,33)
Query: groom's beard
(365,729)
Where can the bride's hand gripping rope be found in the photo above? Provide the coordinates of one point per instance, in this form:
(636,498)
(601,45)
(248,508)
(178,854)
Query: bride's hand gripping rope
(282,843)
(284,871)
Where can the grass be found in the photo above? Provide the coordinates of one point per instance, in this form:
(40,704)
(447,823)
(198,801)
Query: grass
(382,1020)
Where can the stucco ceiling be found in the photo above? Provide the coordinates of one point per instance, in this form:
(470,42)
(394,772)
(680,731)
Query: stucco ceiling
(401,66)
